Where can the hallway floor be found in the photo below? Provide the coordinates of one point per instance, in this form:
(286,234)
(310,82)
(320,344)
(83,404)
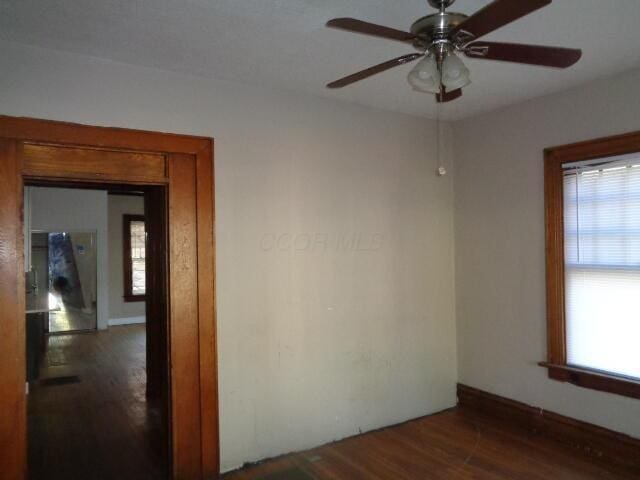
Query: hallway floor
(71,319)
(88,414)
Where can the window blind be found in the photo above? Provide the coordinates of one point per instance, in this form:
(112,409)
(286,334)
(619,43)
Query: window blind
(602,265)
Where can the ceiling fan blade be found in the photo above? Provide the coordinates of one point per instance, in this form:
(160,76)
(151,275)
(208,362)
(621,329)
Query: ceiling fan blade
(520,53)
(358,26)
(343,82)
(494,16)
(448,96)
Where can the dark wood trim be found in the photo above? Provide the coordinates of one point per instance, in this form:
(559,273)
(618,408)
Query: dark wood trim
(126,193)
(597,148)
(183,274)
(595,380)
(156,311)
(554,235)
(64,133)
(90,163)
(128,295)
(555,157)
(134,298)
(207,295)
(601,443)
(190,315)
(13,369)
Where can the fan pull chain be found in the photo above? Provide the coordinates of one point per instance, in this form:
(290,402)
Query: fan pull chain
(441,170)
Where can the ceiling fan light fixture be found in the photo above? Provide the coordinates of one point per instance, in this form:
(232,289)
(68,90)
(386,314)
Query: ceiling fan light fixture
(442,34)
(455,74)
(425,76)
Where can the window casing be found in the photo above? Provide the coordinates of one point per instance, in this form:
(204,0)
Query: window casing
(134,258)
(592,210)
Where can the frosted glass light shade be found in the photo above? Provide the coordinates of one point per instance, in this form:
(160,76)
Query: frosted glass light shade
(425,76)
(455,74)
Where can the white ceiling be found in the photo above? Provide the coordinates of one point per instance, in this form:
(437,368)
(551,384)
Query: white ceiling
(283,44)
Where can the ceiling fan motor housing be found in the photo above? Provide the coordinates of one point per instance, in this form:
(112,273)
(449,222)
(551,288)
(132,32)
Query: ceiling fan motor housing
(435,27)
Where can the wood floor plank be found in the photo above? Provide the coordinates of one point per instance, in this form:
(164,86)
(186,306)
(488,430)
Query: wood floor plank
(100,428)
(448,446)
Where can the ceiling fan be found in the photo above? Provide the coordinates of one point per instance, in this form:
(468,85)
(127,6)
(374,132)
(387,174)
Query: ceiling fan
(439,36)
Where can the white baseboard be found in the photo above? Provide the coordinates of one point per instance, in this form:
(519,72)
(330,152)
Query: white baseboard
(126,321)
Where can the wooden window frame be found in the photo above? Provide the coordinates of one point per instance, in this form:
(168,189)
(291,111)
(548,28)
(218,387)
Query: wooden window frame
(129,296)
(556,363)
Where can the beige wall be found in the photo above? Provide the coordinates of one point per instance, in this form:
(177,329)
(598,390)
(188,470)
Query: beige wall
(347,323)
(119,310)
(499,232)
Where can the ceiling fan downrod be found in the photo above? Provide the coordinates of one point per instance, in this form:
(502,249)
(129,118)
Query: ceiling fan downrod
(441,5)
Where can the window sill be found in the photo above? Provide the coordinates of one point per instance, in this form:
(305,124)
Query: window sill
(135,298)
(593,380)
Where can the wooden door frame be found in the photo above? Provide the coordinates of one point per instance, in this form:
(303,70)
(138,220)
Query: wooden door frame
(44,150)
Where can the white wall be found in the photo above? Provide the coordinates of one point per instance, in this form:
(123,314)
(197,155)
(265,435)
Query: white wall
(499,231)
(121,312)
(315,342)
(61,209)
(86,265)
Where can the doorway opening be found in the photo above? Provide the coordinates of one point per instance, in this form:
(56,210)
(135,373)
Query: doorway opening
(96,344)
(175,174)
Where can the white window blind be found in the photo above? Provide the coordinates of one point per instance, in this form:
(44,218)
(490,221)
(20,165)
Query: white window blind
(602,265)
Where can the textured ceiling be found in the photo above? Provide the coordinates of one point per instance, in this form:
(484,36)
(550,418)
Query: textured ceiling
(284,44)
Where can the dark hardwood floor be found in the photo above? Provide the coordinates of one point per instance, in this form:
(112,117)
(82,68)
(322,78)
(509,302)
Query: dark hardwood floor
(89,420)
(450,445)
(88,415)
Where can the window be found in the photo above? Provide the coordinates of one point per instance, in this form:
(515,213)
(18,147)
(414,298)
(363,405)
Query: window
(593,264)
(134,243)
